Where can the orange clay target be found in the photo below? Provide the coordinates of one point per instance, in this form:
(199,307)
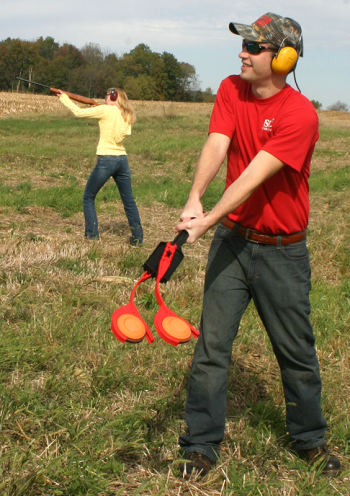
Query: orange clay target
(128,325)
(126,322)
(176,328)
(132,327)
(173,329)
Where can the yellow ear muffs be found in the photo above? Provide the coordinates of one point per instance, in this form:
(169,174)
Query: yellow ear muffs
(284,60)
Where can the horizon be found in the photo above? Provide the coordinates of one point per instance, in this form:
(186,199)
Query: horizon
(196,34)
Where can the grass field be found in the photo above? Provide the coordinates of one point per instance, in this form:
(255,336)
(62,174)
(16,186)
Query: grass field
(82,413)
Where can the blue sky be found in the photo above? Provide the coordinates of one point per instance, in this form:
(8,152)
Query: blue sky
(195,31)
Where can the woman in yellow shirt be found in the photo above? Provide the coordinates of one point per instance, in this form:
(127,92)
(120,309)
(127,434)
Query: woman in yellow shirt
(115,119)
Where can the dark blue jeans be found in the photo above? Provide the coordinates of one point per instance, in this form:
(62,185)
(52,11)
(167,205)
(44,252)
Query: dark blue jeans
(277,278)
(117,167)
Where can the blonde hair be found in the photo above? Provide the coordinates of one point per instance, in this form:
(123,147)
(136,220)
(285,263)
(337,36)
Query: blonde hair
(125,107)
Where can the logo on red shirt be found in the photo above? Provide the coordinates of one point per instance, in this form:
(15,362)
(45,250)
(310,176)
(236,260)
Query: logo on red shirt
(268,125)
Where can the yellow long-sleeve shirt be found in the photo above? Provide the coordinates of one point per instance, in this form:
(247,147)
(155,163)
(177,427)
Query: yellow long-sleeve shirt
(113,128)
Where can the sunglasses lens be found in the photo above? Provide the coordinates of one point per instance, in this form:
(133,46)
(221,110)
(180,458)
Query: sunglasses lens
(253,48)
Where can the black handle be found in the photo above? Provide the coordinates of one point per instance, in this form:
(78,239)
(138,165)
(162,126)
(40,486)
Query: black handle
(180,239)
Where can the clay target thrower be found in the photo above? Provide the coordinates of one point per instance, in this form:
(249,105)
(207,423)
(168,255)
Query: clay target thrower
(127,324)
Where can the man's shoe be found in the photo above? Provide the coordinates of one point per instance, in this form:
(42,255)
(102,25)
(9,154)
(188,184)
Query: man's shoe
(196,464)
(321,457)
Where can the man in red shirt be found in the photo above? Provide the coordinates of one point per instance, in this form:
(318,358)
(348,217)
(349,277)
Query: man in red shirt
(267,131)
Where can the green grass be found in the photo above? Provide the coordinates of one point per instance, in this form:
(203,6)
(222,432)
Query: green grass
(331,133)
(82,413)
(330,180)
(146,189)
(67,200)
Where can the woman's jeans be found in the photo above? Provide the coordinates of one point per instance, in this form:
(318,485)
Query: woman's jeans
(277,278)
(115,166)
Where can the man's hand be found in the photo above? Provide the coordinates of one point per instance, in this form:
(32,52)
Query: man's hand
(193,210)
(195,228)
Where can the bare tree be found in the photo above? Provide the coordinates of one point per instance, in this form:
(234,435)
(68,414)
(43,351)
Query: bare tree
(339,106)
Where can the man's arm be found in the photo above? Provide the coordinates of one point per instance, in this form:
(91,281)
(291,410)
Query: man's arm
(263,166)
(212,156)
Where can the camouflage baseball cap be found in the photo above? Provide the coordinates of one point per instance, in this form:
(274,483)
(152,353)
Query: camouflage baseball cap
(272,28)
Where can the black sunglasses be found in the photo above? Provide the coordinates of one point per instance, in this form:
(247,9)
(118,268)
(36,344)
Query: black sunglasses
(254,48)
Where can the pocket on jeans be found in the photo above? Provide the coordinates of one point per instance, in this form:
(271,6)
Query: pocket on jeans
(296,251)
(222,232)
(101,161)
(106,163)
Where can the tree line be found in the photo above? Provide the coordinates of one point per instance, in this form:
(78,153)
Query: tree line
(143,74)
(337,106)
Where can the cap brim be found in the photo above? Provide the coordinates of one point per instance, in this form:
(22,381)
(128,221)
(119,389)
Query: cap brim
(244,30)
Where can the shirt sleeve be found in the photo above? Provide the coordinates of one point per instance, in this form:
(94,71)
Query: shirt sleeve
(92,112)
(127,129)
(294,136)
(223,118)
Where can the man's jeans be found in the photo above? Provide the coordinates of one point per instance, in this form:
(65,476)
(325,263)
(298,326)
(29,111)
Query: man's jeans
(117,167)
(277,278)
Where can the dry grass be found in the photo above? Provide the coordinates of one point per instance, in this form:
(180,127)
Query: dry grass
(330,118)
(14,104)
(35,243)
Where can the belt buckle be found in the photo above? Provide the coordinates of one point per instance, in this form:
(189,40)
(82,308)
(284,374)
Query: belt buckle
(247,236)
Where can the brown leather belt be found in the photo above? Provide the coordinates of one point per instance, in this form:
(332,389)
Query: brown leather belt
(264,239)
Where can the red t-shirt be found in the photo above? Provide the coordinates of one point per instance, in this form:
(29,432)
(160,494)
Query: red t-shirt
(284,125)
